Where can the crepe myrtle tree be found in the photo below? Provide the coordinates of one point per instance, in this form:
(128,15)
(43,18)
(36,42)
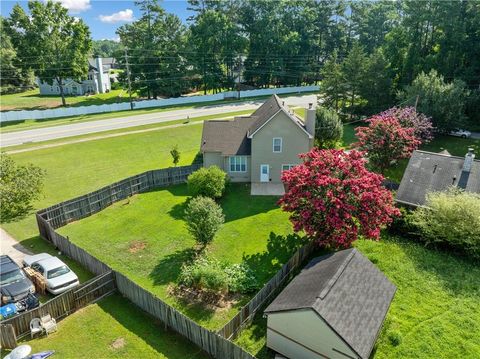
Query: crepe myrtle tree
(334,198)
(385,140)
(409,117)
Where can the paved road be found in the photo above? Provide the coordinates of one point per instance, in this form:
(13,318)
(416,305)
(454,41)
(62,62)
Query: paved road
(9,246)
(83,128)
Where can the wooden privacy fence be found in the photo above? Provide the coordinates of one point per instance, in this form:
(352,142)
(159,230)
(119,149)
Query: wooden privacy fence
(77,208)
(233,327)
(212,343)
(58,307)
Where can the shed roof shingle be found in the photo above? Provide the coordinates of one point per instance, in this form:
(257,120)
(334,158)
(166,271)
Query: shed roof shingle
(347,291)
(429,172)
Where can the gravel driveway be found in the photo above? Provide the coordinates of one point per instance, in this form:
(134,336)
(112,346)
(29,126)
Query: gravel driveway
(9,246)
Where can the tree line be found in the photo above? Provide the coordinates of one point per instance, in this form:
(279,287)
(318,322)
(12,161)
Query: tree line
(364,53)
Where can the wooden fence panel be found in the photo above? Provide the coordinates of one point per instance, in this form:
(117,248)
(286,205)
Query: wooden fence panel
(8,339)
(64,304)
(248,311)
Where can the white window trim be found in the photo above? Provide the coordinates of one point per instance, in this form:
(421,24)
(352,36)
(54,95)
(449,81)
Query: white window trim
(289,166)
(281,144)
(230,164)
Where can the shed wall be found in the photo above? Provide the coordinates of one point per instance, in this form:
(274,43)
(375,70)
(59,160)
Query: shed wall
(291,333)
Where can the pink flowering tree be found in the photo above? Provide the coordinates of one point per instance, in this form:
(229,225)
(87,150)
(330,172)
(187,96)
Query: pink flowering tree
(333,198)
(385,141)
(410,118)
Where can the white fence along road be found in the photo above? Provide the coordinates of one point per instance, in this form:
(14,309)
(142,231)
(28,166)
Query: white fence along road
(84,128)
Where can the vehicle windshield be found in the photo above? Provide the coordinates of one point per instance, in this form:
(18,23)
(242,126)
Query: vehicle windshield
(10,277)
(57,272)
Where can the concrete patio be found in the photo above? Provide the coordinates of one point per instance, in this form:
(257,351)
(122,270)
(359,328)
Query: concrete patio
(267,189)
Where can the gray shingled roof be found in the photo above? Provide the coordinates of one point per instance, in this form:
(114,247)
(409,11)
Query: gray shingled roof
(265,112)
(227,137)
(429,172)
(347,291)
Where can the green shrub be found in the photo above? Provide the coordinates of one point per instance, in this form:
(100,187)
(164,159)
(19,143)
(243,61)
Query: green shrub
(209,182)
(209,274)
(204,217)
(395,338)
(451,217)
(328,128)
(403,225)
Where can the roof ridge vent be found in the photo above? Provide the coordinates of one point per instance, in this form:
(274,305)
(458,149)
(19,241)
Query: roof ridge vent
(337,275)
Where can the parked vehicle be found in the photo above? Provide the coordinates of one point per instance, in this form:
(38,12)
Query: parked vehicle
(14,284)
(58,276)
(460,133)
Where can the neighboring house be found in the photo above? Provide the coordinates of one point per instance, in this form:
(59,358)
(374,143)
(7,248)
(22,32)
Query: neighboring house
(334,308)
(97,81)
(431,172)
(257,148)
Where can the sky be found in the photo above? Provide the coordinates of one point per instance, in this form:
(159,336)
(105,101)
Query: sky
(104,17)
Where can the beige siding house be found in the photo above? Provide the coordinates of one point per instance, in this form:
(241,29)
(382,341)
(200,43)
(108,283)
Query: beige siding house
(259,147)
(334,308)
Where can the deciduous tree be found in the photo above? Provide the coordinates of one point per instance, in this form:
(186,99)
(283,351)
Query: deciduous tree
(334,198)
(385,140)
(203,217)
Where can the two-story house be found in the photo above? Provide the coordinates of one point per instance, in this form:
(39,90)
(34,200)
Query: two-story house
(97,81)
(257,148)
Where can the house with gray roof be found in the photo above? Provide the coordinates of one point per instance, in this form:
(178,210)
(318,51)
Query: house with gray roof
(334,308)
(433,172)
(257,148)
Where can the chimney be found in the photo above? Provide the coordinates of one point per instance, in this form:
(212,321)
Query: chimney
(100,76)
(310,117)
(469,157)
(467,167)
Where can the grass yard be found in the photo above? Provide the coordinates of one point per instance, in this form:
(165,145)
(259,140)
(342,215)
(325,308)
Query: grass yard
(32,100)
(114,328)
(145,238)
(435,312)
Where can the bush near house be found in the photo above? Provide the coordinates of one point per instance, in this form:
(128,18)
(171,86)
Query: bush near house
(209,182)
(453,218)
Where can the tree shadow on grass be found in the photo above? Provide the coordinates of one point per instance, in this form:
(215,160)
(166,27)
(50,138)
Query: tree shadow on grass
(149,329)
(457,273)
(237,203)
(279,250)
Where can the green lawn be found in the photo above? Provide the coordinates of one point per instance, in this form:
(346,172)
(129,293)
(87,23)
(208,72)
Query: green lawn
(154,223)
(435,312)
(32,100)
(114,328)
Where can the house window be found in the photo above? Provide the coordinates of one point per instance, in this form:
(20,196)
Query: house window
(238,164)
(277,144)
(287,167)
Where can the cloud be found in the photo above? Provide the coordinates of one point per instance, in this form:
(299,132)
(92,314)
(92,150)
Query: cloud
(75,6)
(124,15)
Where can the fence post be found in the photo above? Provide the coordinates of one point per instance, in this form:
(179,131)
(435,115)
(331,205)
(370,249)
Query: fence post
(7,336)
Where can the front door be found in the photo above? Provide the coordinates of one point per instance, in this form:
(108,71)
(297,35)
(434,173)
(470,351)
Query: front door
(264,173)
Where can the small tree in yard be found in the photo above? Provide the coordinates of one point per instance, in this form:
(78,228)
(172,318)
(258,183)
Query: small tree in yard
(204,217)
(209,182)
(451,217)
(19,187)
(328,128)
(334,198)
(175,155)
(385,140)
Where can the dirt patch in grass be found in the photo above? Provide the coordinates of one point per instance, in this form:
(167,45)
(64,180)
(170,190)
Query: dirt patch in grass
(118,343)
(213,301)
(137,246)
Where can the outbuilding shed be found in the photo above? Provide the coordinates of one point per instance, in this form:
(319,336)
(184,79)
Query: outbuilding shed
(334,308)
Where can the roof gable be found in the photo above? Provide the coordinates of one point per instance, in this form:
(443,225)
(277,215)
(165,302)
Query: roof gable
(268,111)
(348,292)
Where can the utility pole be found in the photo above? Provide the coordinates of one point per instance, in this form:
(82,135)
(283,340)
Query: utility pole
(128,79)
